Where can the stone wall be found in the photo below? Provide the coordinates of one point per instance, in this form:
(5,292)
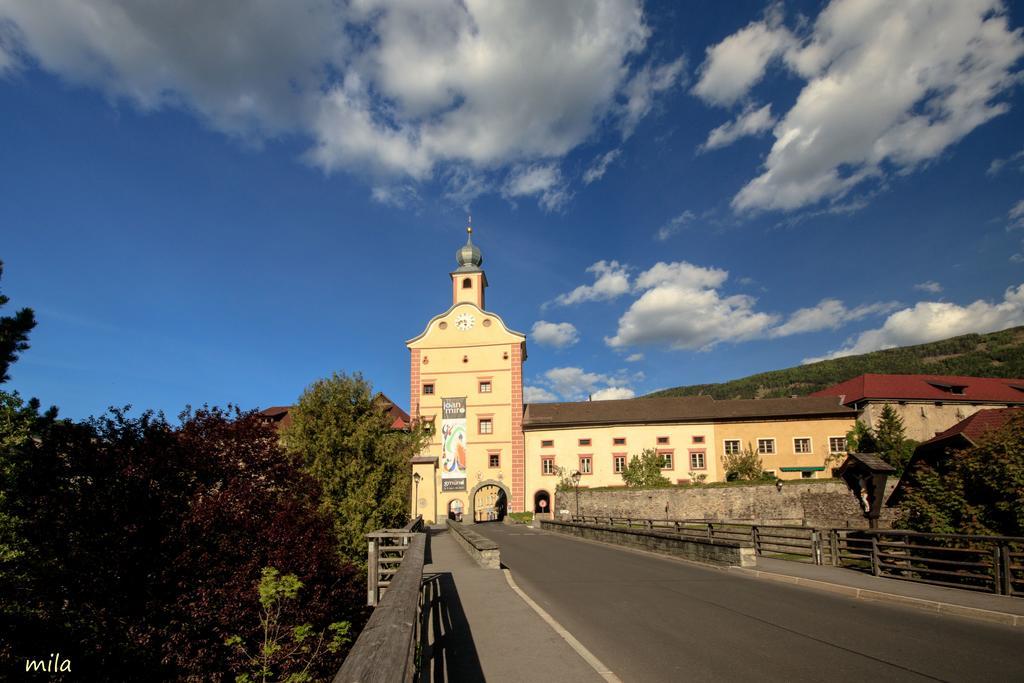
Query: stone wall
(484,551)
(821,504)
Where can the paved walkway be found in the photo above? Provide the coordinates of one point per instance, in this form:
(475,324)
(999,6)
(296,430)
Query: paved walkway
(480,629)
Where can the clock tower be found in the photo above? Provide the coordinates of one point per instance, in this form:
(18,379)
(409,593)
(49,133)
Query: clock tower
(466,386)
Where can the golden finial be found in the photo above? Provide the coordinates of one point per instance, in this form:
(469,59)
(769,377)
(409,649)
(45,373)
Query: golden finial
(469,224)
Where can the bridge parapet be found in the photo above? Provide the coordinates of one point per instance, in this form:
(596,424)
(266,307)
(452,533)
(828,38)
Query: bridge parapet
(484,551)
(716,551)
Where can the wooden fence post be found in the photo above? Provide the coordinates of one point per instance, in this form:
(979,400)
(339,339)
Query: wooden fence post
(876,561)
(372,574)
(834,546)
(755,538)
(999,569)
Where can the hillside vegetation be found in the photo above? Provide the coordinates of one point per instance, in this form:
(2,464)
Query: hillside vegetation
(999,354)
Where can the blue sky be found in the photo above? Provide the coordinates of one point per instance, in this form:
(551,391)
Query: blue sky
(222,203)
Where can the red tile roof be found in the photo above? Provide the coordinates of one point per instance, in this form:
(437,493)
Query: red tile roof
(975,426)
(928,388)
(399,418)
(963,434)
(678,409)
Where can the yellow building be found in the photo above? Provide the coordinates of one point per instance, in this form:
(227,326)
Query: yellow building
(466,384)
(489,454)
(794,437)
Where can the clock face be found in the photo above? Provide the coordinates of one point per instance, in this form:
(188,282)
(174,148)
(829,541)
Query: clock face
(465,321)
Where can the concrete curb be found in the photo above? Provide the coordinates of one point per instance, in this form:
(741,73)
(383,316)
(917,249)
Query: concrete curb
(935,606)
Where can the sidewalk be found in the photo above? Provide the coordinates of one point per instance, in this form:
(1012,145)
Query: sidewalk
(965,603)
(480,629)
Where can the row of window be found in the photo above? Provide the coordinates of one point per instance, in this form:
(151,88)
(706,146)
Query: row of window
(616,441)
(586,462)
(801,444)
(484,387)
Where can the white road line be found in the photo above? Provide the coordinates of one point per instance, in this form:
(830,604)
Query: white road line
(588,656)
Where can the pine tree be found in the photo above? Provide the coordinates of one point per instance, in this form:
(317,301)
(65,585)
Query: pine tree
(890,439)
(13,334)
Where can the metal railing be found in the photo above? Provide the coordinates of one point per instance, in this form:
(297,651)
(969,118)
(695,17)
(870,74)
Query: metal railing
(992,564)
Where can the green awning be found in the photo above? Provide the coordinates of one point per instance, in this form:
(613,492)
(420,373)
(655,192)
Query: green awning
(802,469)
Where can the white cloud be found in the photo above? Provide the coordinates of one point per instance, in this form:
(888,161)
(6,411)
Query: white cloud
(751,122)
(575,384)
(1016,215)
(558,335)
(599,166)
(541,180)
(736,64)
(634,357)
(675,225)
(882,92)
(611,280)
(612,393)
(929,286)
(997,165)
(400,196)
(463,185)
(829,314)
(403,90)
(642,88)
(538,395)
(931,320)
(682,308)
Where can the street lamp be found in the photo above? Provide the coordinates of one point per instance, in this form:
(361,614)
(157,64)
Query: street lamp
(416,493)
(575,476)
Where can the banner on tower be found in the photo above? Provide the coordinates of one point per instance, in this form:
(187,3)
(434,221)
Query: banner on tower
(453,444)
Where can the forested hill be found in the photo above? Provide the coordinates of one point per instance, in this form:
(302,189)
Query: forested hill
(999,354)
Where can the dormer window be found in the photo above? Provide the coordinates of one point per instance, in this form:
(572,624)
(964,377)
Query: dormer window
(467,283)
(956,389)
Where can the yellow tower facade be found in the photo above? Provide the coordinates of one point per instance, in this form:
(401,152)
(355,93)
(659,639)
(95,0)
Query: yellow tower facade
(466,386)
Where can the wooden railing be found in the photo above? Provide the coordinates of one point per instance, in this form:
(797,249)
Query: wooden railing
(386,648)
(385,553)
(993,564)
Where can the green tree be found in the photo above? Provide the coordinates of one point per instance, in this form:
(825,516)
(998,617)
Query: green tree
(645,470)
(565,482)
(976,490)
(888,439)
(746,465)
(345,440)
(297,647)
(861,439)
(13,334)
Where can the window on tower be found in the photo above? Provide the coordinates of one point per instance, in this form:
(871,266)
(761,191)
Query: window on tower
(467,283)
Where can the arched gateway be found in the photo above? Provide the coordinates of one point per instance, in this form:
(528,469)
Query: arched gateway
(489,501)
(542,501)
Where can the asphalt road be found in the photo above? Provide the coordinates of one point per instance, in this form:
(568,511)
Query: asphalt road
(654,619)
